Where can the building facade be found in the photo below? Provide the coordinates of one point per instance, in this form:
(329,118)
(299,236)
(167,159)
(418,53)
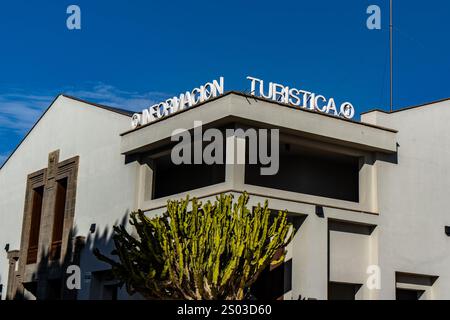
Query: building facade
(368,197)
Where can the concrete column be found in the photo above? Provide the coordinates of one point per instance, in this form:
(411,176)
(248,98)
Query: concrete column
(11,290)
(144,183)
(368,196)
(235,161)
(310,260)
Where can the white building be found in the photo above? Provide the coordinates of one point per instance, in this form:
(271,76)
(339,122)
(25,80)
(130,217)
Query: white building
(369,197)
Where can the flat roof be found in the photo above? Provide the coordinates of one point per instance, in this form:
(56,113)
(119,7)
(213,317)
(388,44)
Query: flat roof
(249,96)
(232,106)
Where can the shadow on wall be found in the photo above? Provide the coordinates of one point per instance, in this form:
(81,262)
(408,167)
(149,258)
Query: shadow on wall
(45,279)
(53,277)
(97,281)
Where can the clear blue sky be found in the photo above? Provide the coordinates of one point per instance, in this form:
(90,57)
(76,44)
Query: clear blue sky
(130,53)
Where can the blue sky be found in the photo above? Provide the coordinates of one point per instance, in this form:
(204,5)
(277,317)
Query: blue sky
(132,53)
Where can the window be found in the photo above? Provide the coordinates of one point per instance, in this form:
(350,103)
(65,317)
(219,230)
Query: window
(342,291)
(110,291)
(407,294)
(30,289)
(54,289)
(104,286)
(48,218)
(36,212)
(411,286)
(58,222)
(310,171)
(172,179)
(348,257)
(274,281)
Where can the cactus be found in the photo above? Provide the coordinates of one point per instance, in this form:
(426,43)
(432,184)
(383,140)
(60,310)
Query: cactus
(195,251)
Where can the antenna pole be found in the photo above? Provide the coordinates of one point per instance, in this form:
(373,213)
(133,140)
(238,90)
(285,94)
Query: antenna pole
(391,57)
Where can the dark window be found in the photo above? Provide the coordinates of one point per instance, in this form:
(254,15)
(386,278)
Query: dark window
(412,279)
(58,222)
(104,286)
(31,288)
(36,211)
(342,291)
(54,289)
(309,171)
(415,279)
(274,281)
(350,227)
(110,292)
(406,294)
(171,179)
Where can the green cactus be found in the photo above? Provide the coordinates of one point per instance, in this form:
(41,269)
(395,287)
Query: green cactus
(194,251)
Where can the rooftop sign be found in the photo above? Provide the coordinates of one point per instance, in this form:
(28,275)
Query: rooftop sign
(274,91)
(303,99)
(185,100)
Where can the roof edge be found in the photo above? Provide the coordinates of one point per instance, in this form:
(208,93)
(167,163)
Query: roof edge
(111,109)
(406,108)
(124,112)
(250,96)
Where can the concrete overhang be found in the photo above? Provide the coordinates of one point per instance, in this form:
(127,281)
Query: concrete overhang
(264,113)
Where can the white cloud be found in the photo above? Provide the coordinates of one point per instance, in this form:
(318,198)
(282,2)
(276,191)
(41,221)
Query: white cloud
(20,110)
(114,97)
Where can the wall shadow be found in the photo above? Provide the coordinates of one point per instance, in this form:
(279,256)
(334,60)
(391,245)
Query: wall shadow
(48,278)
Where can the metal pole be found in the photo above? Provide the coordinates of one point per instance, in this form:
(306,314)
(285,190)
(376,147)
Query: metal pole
(391,49)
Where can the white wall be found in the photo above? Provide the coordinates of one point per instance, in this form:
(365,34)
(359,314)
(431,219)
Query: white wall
(105,191)
(413,197)
(349,257)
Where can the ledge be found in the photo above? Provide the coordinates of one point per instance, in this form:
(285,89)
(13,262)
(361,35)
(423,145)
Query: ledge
(237,107)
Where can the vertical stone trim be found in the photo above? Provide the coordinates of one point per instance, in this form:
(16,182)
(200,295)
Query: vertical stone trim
(68,169)
(34,180)
(45,233)
(53,159)
(13,257)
